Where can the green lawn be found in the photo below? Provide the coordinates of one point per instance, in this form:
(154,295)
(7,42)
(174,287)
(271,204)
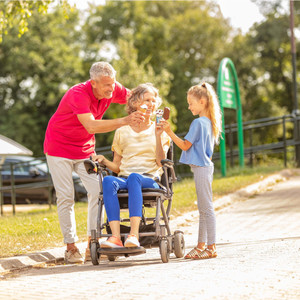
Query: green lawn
(37,230)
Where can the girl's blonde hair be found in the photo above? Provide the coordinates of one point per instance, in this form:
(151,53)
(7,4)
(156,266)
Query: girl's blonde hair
(206,91)
(137,95)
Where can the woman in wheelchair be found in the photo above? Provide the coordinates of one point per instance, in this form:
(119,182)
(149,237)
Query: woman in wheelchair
(138,151)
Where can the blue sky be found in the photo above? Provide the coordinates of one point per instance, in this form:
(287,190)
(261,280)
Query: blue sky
(242,13)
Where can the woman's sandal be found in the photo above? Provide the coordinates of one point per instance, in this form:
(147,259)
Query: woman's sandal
(193,253)
(205,254)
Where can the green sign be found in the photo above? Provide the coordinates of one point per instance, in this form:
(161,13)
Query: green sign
(227,90)
(229,97)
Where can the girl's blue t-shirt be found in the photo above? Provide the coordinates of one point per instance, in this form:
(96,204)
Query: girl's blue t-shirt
(201,136)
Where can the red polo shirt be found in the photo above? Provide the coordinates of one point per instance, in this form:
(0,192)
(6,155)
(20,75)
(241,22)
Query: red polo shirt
(65,135)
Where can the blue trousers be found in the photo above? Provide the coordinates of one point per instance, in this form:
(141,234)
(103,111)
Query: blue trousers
(134,184)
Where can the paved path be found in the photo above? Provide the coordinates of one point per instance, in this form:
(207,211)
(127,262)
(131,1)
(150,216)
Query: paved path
(259,258)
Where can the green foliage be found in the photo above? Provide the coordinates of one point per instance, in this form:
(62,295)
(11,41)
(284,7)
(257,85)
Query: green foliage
(36,70)
(263,62)
(16,13)
(184,38)
(173,44)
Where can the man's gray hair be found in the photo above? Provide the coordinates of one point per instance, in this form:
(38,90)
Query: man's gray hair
(100,69)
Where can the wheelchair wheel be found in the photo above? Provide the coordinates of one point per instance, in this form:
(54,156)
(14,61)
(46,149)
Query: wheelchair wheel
(179,245)
(111,258)
(164,251)
(94,253)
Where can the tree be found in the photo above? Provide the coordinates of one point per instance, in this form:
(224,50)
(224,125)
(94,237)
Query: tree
(263,62)
(131,73)
(36,70)
(185,38)
(16,13)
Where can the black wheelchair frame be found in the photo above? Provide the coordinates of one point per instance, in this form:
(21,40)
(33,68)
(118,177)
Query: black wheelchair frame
(157,233)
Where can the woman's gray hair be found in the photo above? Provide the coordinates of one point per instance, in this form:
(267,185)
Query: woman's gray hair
(100,69)
(137,95)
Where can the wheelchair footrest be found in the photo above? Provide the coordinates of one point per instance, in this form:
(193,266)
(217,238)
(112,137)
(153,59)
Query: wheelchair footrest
(122,251)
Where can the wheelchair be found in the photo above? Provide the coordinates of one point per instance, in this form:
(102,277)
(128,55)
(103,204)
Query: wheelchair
(153,231)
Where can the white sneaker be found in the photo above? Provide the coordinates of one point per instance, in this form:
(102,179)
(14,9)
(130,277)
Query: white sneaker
(73,256)
(112,242)
(132,241)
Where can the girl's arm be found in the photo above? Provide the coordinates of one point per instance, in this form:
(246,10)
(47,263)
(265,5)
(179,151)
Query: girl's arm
(182,144)
(160,154)
(112,165)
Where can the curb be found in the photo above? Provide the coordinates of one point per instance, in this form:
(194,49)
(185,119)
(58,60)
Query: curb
(36,259)
(56,255)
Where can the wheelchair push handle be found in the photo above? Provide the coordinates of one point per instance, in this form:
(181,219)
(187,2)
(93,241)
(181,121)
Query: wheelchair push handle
(167,163)
(93,167)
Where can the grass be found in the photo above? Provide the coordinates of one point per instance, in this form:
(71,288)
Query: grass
(185,194)
(35,230)
(39,229)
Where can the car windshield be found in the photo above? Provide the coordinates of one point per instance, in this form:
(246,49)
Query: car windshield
(27,160)
(24,162)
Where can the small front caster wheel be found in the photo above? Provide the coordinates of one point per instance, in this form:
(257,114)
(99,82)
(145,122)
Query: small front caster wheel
(179,245)
(95,255)
(111,258)
(164,251)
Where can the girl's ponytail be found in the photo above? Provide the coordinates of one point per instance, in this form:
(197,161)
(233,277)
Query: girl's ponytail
(205,90)
(214,112)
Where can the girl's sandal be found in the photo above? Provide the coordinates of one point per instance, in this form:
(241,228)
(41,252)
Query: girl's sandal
(193,253)
(205,254)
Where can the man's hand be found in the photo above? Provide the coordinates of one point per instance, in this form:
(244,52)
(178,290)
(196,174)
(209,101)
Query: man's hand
(134,118)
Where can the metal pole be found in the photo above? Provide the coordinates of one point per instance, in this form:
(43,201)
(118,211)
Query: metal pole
(50,194)
(13,191)
(284,142)
(295,100)
(231,146)
(1,195)
(293,49)
(251,151)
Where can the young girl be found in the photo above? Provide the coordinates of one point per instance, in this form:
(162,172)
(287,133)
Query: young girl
(197,148)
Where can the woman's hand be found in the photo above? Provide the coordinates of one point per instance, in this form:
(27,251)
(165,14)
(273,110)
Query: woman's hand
(112,165)
(99,158)
(158,128)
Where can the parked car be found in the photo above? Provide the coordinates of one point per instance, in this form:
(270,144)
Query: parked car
(29,170)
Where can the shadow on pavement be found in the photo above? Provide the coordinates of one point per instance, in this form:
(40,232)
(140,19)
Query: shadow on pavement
(104,265)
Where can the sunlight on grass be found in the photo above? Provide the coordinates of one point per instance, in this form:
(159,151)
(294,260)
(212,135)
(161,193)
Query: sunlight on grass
(37,230)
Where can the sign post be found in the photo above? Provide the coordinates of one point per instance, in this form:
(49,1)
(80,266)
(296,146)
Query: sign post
(229,97)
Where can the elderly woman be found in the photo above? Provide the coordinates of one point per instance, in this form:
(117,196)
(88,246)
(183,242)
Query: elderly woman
(138,151)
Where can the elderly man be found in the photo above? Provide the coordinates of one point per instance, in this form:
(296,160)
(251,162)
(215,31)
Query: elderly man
(70,139)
